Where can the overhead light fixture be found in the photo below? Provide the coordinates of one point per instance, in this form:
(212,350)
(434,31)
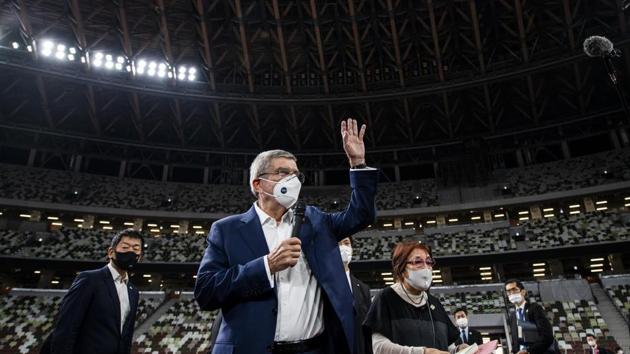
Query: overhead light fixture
(573,206)
(475,218)
(27,216)
(52,218)
(128,223)
(601,202)
(15,45)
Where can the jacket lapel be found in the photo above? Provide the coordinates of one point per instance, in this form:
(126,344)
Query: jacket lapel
(307,236)
(252,234)
(111,290)
(133,304)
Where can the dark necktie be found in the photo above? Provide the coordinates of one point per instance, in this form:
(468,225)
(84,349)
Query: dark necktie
(464,337)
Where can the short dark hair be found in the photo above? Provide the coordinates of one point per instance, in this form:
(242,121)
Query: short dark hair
(131,233)
(460,309)
(591,335)
(519,284)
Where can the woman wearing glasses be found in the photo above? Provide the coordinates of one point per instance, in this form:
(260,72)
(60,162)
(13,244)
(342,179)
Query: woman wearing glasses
(404,318)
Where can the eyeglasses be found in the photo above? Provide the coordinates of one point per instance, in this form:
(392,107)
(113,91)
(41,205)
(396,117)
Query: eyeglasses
(284,172)
(419,262)
(513,290)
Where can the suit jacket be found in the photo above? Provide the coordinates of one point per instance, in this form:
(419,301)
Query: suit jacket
(89,317)
(536,314)
(232,273)
(600,350)
(473,336)
(362,302)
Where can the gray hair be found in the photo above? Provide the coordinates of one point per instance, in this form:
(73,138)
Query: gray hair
(262,162)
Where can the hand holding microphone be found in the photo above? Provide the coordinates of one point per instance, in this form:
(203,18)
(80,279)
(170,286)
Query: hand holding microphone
(288,251)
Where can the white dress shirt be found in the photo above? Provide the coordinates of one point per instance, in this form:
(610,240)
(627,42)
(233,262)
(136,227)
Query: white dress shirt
(123,295)
(300,306)
(349,281)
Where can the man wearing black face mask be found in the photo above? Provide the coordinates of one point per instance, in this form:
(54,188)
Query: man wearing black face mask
(98,313)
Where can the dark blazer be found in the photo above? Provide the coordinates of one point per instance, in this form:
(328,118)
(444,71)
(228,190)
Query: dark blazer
(474,337)
(536,314)
(89,317)
(362,302)
(600,349)
(232,273)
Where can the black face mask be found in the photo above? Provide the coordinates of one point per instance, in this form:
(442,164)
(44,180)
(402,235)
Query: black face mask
(126,260)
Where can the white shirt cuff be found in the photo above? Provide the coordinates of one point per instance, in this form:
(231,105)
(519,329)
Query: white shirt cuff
(363,169)
(269,275)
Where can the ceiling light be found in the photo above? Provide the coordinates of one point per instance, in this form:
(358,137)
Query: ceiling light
(15,45)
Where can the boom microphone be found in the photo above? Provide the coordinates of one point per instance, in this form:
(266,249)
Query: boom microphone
(598,46)
(298,217)
(602,47)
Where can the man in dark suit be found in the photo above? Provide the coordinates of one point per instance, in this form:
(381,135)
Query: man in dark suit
(98,313)
(362,299)
(594,348)
(278,293)
(538,341)
(467,335)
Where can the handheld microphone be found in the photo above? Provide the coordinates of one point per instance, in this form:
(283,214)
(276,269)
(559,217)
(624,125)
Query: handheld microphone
(298,217)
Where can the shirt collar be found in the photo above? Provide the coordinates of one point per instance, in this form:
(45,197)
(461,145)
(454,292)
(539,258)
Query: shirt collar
(116,275)
(265,218)
(522,306)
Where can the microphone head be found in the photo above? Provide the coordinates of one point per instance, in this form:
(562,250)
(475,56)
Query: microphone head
(299,208)
(597,46)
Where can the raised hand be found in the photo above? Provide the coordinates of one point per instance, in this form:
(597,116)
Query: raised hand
(353,141)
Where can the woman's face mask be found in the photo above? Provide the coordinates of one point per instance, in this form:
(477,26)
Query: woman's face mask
(286,191)
(420,279)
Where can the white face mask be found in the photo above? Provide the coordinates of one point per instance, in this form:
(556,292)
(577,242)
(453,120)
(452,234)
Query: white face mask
(286,190)
(420,279)
(462,322)
(515,298)
(346,253)
(591,343)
